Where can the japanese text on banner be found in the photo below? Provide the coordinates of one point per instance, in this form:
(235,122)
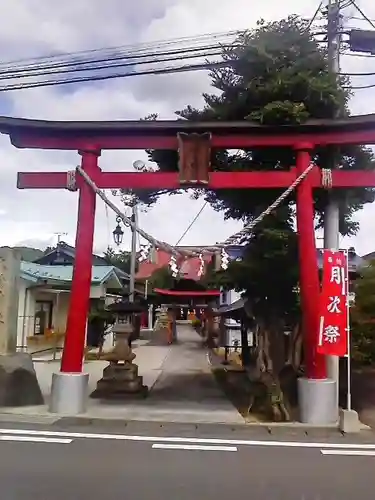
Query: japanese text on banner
(333,332)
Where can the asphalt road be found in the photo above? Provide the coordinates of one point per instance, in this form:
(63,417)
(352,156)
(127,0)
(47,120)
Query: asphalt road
(211,464)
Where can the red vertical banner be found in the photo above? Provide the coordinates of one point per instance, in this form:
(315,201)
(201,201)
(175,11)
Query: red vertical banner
(334,303)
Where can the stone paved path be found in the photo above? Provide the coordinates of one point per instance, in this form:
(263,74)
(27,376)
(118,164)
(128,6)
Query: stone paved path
(186,383)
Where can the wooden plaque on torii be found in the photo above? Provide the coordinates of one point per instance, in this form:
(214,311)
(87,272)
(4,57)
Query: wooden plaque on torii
(194,158)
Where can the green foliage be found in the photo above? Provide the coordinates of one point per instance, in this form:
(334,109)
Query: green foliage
(363,318)
(196,323)
(278,75)
(268,272)
(120,259)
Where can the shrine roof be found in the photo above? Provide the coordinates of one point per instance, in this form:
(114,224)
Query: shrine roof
(11,125)
(189,268)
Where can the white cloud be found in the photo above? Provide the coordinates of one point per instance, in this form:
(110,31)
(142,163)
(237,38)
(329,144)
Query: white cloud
(30,29)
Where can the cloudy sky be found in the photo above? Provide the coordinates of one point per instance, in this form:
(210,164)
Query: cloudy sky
(41,27)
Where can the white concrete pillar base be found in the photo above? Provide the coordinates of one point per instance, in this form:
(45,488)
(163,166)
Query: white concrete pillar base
(349,422)
(318,401)
(69,393)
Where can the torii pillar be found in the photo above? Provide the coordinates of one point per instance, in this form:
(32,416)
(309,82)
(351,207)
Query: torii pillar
(317,393)
(69,392)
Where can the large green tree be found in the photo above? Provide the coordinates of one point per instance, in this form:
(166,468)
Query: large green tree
(277,74)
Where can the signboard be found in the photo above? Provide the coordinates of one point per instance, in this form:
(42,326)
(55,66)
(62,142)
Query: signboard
(334,304)
(234,338)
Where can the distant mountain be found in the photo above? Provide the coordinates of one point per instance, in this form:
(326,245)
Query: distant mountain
(29,254)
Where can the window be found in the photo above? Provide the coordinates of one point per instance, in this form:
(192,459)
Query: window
(43,316)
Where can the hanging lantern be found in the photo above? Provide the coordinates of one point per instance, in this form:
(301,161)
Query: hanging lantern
(118,233)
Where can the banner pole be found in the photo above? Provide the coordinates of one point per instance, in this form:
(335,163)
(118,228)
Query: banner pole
(348,365)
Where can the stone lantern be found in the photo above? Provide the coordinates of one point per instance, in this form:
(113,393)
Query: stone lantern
(120,378)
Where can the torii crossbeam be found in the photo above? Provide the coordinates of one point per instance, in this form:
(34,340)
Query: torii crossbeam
(218,180)
(194,141)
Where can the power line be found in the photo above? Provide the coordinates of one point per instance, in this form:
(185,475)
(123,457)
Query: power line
(315,15)
(361,19)
(131,61)
(362,87)
(358,74)
(57,65)
(162,71)
(49,59)
(192,223)
(354,3)
(88,65)
(207,65)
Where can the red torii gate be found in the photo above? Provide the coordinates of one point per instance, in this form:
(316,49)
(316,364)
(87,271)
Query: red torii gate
(193,141)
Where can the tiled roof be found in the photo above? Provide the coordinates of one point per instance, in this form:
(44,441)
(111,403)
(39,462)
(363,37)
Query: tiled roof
(62,249)
(34,272)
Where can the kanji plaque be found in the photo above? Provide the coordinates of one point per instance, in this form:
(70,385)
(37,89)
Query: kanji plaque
(194,158)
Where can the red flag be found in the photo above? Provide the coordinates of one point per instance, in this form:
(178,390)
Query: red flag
(334,303)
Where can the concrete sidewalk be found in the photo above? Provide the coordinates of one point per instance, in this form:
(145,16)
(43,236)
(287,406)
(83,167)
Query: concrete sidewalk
(182,388)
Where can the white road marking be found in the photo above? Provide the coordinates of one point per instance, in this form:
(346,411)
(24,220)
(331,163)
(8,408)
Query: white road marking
(350,453)
(189,440)
(196,447)
(35,439)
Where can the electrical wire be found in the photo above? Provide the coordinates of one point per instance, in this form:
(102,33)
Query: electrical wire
(362,87)
(162,71)
(132,59)
(315,15)
(358,74)
(191,223)
(361,19)
(126,49)
(208,65)
(181,56)
(92,64)
(110,53)
(366,18)
(135,56)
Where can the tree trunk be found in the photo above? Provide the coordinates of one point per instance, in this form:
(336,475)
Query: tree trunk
(271,349)
(245,351)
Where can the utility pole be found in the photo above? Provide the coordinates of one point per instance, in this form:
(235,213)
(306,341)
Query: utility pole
(133,254)
(332,210)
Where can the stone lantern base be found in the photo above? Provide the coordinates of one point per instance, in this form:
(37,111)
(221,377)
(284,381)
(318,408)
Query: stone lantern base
(120,378)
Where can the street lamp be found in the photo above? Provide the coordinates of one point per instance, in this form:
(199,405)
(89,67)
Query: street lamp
(118,233)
